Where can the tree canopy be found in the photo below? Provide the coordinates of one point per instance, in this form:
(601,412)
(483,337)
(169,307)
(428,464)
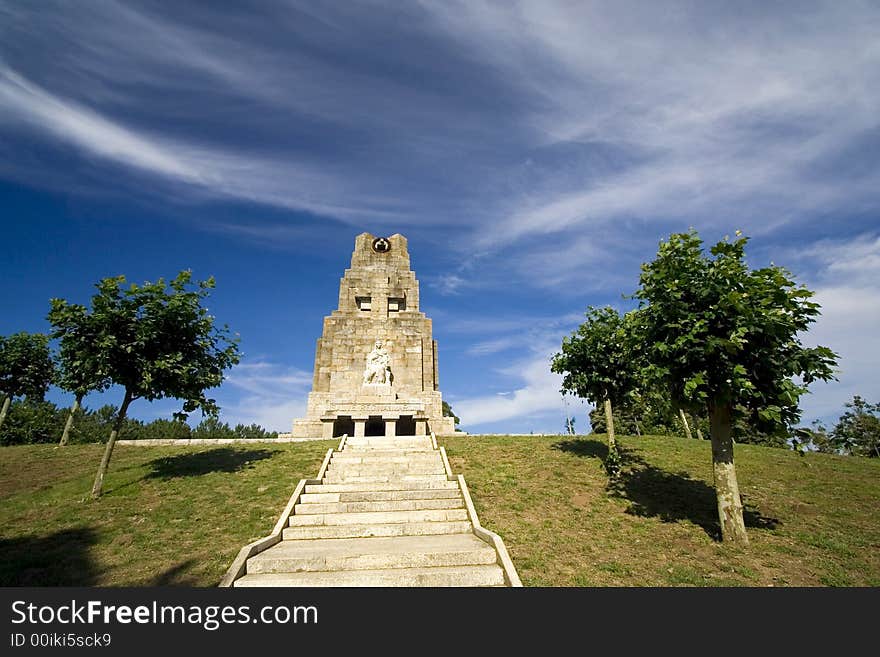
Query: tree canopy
(448,412)
(155,340)
(716,332)
(718,335)
(598,363)
(83,353)
(597,360)
(858,430)
(26,368)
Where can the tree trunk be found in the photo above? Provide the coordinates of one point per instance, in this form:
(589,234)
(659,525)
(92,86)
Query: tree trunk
(638,430)
(69,424)
(730,510)
(108,451)
(684,421)
(6,402)
(609,421)
(700,434)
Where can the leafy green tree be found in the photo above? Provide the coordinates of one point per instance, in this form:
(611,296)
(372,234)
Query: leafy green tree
(722,337)
(448,412)
(163,429)
(157,341)
(31,421)
(26,368)
(212,428)
(645,411)
(858,430)
(598,364)
(253,432)
(82,355)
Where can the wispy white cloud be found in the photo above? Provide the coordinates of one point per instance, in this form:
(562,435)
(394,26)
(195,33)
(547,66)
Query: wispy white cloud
(528,119)
(207,168)
(538,395)
(87,129)
(723,114)
(265,393)
(535,393)
(847,286)
(447,284)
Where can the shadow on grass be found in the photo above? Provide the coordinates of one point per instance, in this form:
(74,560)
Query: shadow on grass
(174,576)
(674,496)
(221,459)
(669,496)
(586,447)
(59,559)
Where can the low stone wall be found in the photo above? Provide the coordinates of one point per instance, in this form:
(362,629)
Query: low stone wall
(212,441)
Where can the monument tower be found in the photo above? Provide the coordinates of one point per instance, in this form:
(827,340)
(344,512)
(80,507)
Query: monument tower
(376,361)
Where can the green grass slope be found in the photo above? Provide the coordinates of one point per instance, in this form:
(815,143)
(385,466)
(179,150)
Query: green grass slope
(168,516)
(812,520)
(177,516)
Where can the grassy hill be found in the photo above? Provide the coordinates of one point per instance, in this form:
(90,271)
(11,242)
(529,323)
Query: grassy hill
(179,515)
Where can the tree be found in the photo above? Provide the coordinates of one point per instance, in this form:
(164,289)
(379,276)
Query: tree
(82,356)
(26,368)
(858,429)
(597,363)
(645,411)
(724,338)
(155,342)
(31,421)
(448,412)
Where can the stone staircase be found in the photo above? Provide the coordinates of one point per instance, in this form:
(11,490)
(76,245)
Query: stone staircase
(384,511)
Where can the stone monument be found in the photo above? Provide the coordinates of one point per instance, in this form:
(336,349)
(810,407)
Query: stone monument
(376,362)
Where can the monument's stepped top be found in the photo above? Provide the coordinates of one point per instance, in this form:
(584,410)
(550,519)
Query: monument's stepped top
(376,360)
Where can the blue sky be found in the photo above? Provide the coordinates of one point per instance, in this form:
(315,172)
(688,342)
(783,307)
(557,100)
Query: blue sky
(533,153)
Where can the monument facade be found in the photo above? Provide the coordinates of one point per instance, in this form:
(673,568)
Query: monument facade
(376,360)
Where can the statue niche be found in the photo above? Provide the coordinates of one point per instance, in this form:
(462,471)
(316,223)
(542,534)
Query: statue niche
(378,371)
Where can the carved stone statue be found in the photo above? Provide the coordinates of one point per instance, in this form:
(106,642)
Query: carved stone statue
(378,371)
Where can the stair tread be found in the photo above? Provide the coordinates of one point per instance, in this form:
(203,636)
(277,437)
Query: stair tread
(369,506)
(375,545)
(364,487)
(478,575)
(366,530)
(425,515)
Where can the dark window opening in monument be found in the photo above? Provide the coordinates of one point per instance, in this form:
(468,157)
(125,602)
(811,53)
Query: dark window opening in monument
(364,303)
(406,426)
(396,304)
(343,425)
(375,426)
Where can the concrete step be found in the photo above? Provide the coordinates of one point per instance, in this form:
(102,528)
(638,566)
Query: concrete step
(369,487)
(381,479)
(378,529)
(391,441)
(373,553)
(379,496)
(384,505)
(416,457)
(367,449)
(427,515)
(361,470)
(490,575)
(385,451)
